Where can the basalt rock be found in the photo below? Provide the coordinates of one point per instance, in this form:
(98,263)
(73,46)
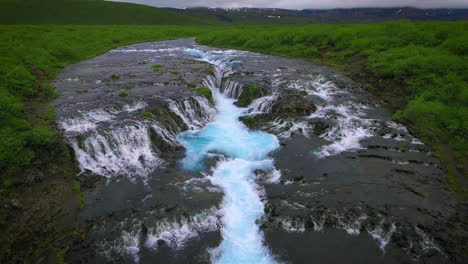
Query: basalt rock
(292,103)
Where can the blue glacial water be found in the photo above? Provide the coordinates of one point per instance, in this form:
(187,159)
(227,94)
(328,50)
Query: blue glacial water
(243,152)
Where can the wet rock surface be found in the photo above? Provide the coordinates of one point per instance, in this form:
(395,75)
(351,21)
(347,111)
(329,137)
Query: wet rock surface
(352,180)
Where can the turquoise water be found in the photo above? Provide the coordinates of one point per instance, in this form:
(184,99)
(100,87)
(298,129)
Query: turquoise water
(244,152)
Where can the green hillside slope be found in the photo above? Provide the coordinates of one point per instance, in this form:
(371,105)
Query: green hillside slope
(90,12)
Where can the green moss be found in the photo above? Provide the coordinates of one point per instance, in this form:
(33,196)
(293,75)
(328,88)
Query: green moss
(205,91)
(248,120)
(79,193)
(249,93)
(115,76)
(50,113)
(158,67)
(147,114)
(8,182)
(152,113)
(423,194)
(175,72)
(123,94)
(60,257)
(192,85)
(156,111)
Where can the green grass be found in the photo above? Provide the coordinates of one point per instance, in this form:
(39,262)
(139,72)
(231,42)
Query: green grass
(91,12)
(421,69)
(60,257)
(205,91)
(30,57)
(79,193)
(158,67)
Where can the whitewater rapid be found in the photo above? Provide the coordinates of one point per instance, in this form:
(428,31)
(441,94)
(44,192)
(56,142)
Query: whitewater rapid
(239,153)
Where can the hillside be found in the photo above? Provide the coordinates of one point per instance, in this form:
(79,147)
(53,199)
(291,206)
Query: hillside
(308,16)
(90,12)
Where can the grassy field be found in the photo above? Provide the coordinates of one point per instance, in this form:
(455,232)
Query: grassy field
(91,12)
(420,69)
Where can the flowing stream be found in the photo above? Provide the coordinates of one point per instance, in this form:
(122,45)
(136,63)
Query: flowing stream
(243,151)
(312,166)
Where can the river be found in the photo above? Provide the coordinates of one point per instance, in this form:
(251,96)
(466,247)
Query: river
(314,165)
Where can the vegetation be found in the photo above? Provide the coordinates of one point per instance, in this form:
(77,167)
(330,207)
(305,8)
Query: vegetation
(91,12)
(249,93)
(205,91)
(158,67)
(79,193)
(150,113)
(419,68)
(115,76)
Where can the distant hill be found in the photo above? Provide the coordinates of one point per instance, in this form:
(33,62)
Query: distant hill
(101,12)
(91,12)
(307,16)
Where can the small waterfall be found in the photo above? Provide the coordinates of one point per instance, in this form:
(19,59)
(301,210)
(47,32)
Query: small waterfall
(232,89)
(144,232)
(195,111)
(127,149)
(177,233)
(120,151)
(169,135)
(262,105)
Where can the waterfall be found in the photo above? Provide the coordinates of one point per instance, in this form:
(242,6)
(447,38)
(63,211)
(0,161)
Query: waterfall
(121,151)
(262,105)
(245,152)
(231,89)
(195,111)
(126,149)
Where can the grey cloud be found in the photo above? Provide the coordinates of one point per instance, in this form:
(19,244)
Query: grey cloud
(299,4)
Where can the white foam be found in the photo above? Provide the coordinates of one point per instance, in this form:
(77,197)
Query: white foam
(121,151)
(288,127)
(176,234)
(382,236)
(88,121)
(347,132)
(319,87)
(262,105)
(195,112)
(161,50)
(427,242)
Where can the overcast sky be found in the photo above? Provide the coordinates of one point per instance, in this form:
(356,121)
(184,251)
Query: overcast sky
(300,4)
